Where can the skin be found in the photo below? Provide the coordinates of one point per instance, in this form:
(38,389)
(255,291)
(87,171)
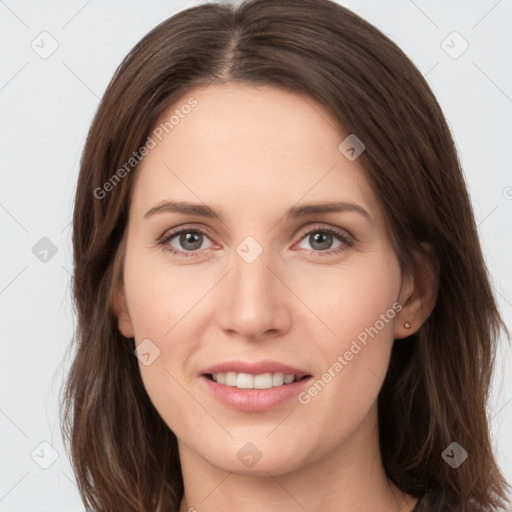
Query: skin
(253,153)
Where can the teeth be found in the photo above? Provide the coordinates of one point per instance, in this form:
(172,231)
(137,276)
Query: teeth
(288,379)
(248,381)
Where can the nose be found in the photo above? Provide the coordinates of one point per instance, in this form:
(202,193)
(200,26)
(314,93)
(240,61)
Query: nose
(253,301)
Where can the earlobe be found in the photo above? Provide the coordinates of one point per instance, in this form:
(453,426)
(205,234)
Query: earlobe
(419,294)
(120,309)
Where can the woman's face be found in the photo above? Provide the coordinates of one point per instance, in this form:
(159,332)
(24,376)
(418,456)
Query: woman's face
(271,287)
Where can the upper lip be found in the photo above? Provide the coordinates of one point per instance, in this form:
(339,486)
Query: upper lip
(256,368)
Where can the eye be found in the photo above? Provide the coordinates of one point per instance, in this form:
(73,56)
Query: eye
(322,239)
(188,240)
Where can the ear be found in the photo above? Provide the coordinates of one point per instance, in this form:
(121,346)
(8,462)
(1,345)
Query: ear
(418,293)
(120,310)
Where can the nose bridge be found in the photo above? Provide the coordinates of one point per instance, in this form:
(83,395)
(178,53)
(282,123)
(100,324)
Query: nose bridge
(252,281)
(250,273)
(253,301)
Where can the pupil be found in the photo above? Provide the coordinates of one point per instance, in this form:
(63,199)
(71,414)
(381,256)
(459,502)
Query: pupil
(319,238)
(188,238)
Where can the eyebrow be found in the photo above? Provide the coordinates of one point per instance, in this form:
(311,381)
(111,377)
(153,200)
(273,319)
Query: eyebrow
(295,212)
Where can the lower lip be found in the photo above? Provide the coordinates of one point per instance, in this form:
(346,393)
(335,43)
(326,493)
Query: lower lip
(254,400)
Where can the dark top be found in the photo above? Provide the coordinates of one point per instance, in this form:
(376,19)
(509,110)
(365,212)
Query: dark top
(429,503)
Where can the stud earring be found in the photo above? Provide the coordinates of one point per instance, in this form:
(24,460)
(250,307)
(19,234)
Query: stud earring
(407,325)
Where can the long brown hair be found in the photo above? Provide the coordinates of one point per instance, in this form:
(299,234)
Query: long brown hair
(124,456)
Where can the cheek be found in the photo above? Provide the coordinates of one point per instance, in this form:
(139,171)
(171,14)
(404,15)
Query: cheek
(351,298)
(360,308)
(159,295)
(161,303)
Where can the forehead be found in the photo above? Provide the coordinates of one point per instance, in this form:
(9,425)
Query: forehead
(248,147)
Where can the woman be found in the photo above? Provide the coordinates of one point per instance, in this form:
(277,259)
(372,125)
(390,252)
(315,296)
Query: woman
(282,300)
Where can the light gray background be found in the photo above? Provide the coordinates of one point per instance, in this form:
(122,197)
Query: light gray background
(47,106)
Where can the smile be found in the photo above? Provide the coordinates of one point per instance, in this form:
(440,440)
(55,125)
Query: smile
(248,381)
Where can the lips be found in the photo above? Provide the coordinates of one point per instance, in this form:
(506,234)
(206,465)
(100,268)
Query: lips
(254,387)
(257,368)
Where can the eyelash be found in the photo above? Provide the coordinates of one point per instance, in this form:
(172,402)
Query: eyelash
(341,235)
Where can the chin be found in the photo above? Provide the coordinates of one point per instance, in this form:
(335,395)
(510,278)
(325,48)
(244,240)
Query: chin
(251,458)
